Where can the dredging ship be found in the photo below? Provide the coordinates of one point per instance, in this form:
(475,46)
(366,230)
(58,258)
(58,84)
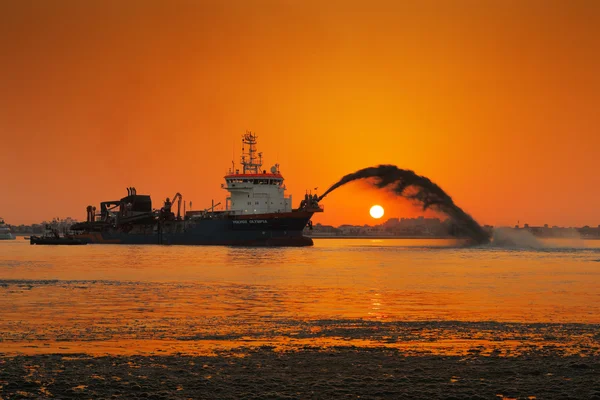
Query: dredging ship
(257,213)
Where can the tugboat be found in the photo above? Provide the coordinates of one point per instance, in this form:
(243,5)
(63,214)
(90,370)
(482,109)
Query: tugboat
(257,213)
(5,231)
(51,236)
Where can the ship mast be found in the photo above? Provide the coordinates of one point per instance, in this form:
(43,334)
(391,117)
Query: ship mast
(251,160)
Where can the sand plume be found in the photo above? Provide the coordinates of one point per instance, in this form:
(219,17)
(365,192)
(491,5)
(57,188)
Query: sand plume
(422,191)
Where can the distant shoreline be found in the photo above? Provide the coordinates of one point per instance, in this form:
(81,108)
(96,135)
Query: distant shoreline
(387,237)
(436,237)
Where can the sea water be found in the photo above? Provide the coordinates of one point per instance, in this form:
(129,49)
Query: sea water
(390,292)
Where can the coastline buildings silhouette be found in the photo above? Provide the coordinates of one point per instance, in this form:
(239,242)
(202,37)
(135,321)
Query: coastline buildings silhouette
(434,227)
(393,227)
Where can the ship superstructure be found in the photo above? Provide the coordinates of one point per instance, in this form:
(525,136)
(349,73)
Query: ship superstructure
(257,212)
(251,189)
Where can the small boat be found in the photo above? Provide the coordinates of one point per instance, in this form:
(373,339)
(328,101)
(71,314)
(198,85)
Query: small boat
(5,231)
(57,241)
(51,236)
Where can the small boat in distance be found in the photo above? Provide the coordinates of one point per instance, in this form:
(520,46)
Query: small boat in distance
(5,231)
(51,236)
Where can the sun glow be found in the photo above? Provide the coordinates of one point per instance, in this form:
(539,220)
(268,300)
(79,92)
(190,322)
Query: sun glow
(376,211)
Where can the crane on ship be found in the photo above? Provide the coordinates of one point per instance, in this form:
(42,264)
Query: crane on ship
(168,203)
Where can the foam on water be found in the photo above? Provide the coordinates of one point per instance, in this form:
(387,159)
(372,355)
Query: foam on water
(524,240)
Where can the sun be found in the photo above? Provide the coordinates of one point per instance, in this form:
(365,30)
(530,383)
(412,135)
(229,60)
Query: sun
(376,211)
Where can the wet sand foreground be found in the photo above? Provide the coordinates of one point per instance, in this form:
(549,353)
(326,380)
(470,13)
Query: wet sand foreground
(318,359)
(343,372)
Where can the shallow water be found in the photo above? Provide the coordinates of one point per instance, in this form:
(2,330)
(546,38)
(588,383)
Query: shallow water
(131,299)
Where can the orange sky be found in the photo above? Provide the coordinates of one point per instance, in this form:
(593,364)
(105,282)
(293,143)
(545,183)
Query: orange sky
(496,101)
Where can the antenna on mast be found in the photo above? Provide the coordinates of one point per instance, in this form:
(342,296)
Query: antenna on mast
(250,162)
(232,157)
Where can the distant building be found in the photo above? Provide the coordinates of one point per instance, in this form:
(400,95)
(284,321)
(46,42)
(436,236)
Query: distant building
(349,230)
(322,230)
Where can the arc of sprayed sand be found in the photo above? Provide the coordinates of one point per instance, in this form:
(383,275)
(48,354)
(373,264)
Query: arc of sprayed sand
(424,192)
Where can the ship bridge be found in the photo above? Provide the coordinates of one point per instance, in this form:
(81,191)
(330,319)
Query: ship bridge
(253,190)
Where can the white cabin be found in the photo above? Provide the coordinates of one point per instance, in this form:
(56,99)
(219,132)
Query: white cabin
(252,190)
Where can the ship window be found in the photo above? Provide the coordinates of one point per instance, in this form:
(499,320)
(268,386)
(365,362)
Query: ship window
(256,202)
(249,203)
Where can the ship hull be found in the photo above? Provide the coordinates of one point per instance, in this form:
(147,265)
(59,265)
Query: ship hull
(283,229)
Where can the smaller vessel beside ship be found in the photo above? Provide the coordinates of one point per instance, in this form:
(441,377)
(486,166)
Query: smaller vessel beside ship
(5,233)
(257,213)
(51,236)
